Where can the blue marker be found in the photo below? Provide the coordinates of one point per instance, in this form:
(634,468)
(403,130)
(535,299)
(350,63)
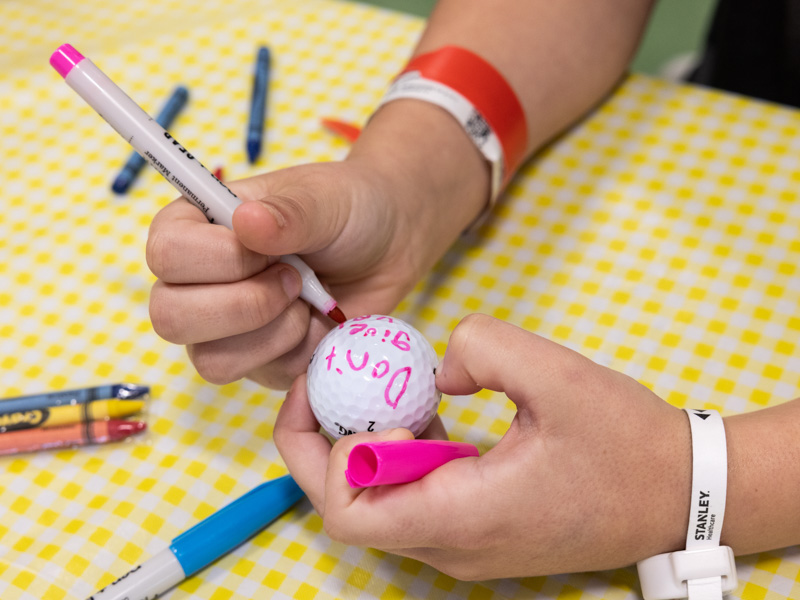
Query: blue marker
(117,391)
(165,118)
(207,541)
(258,107)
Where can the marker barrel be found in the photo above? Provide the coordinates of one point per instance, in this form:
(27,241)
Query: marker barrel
(159,573)
(135,163)
(204,543)
(233,524)
(178,166)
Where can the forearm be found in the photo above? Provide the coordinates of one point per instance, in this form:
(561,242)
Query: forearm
(561,58)
(763,503)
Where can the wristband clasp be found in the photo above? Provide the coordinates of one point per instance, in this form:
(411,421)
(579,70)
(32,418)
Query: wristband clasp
(667,576)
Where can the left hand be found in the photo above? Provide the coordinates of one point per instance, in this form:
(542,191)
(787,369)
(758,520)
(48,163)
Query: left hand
(593,473)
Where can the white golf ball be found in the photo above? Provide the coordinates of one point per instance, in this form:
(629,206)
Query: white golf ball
(373,373)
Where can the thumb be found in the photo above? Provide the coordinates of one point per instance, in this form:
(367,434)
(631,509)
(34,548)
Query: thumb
(484,352)
(292,211)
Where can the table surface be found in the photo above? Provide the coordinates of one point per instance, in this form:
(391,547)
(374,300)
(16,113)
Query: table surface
(659,238)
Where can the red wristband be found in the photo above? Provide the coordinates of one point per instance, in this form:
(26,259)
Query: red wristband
(487,90)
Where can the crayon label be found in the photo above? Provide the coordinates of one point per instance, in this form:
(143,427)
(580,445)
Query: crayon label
(26,419)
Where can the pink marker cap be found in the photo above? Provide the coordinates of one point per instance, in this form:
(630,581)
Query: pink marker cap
(401,461)
(65,58)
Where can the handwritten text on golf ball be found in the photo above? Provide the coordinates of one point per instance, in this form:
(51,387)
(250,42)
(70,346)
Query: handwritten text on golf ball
(397,382)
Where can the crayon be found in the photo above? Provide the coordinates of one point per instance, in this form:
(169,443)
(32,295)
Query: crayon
(120,391)
(178,166)
(258,104)
(135,163)
(96,432)
(55,416)
(346,130)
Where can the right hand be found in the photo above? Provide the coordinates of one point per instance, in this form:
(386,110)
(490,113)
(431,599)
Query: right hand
(235,308)
(370,226)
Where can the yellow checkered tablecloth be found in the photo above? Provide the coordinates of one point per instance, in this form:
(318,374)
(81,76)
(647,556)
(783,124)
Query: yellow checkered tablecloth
(660,238)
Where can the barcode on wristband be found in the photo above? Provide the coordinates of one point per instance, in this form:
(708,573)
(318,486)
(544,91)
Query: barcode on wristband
(412,85)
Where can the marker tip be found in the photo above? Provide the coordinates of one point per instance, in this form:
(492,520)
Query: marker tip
(337,315)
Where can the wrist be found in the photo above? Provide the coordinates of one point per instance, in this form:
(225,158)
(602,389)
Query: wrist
(668,490)
(705,569)
(763,510)
(439,180)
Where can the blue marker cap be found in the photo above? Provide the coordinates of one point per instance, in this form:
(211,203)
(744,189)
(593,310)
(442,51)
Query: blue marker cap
(234,524)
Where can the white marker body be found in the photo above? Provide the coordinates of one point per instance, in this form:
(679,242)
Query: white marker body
(148,581)
(152,141)
(178,166)
(312,291)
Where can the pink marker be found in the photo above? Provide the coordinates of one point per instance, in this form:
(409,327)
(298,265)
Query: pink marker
(178,166)
(401,461)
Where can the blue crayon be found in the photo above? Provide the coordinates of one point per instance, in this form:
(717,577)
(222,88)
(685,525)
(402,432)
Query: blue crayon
(165,118)
(258,107)
(116,391)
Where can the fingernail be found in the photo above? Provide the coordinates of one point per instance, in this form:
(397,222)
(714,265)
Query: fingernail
(291,282)
(280,220)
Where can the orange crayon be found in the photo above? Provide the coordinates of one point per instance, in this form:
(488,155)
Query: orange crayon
(80,434)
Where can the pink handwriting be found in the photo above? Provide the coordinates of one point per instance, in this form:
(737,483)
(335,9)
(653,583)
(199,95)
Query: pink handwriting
(352,365)
(377,374)
(397,383)
(379,371)
(401,339)
(388,390)
(404,346)
(331,356)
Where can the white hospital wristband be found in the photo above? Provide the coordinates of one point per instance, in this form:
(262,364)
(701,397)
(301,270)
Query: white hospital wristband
(480,99)
(705,570)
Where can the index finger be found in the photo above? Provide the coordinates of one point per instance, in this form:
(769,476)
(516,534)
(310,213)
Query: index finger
(183,247)
(303,448)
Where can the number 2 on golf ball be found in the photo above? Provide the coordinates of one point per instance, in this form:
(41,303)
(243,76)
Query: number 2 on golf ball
(373,373)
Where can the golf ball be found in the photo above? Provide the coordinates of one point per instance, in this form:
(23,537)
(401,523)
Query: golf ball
(373,373)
